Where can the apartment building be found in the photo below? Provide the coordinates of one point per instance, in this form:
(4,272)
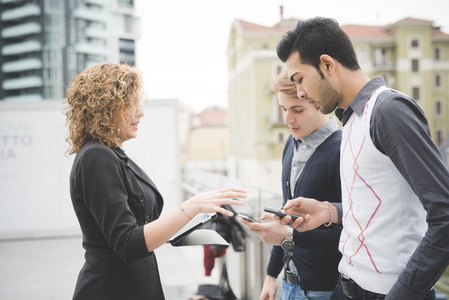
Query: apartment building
(412,55)
(45,43)
(257,132)
(204,140)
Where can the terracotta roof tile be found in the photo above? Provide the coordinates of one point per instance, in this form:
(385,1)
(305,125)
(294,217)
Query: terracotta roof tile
(353,31)
(252,27)
(438,32)
(357,31)
(409,19)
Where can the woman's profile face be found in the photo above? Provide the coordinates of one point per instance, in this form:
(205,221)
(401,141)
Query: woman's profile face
(129,124)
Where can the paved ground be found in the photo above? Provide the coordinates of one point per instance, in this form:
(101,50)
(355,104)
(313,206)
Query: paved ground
(46,269)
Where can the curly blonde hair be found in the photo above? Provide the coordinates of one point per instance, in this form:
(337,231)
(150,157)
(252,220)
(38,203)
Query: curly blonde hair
(93,96)
(283,84)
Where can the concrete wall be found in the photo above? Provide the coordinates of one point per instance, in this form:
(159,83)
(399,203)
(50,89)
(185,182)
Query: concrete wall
(34,172)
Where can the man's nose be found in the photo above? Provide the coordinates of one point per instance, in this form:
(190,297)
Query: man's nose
(300,92)
(289,119)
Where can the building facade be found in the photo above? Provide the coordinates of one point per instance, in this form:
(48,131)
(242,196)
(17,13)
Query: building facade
(412,55)
(45,43)
(204,140)
(257,132)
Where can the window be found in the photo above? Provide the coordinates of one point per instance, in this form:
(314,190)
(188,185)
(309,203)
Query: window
(278,70)
(280,115)
(363,57)
(127,58)
(415,43)
(126,45)
(415,65)
(380,57)
(438,108)
(415,93)
(129,24)
(439,138)
(281,137)
(126,3)
(437,80)
(384,56)
(436,53)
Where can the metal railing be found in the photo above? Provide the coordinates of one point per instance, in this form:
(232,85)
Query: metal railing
(246,269)
(251,264)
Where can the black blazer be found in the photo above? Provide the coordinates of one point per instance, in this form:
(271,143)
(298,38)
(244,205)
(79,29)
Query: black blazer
(113,198)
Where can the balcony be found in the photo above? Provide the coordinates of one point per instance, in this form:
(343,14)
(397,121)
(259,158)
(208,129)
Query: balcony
(90,14)
(97,2)
(123,6)
(125,3)
(22,83)
(26,11)
(25,98)
(274,122)
(21,30)
(22,65)
(20,48)
(384,66)
(9,1)
(92,49)
(93,32)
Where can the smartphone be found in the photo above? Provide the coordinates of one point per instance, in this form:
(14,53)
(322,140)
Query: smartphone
(279,213)
(247,218)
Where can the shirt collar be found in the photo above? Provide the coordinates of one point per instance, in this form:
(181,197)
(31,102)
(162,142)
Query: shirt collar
(297,142)
(317,137)
(357,104)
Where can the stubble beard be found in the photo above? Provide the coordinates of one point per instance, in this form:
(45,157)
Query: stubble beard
(329,97)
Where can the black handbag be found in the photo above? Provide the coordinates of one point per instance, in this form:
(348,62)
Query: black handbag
(222,291)
(230,229)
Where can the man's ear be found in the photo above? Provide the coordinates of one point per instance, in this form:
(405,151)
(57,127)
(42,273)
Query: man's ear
(327,64)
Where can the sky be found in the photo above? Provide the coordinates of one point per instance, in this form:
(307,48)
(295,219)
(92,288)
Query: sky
(182,46)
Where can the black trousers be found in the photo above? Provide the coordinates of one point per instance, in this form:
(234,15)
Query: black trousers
(338,294)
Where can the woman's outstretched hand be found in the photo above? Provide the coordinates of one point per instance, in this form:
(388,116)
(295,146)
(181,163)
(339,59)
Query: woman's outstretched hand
(212,201)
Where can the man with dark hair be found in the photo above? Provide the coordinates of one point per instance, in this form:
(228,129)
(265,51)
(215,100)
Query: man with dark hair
(395,183)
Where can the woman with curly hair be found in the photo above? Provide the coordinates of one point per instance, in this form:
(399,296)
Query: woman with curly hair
(116,203)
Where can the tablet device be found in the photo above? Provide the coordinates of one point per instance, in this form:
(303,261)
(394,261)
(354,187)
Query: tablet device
(179,237)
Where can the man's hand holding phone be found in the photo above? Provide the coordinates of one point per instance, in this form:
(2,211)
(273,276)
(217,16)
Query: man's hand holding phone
(288,219)
(316,213)
(271,233)
(281,214)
